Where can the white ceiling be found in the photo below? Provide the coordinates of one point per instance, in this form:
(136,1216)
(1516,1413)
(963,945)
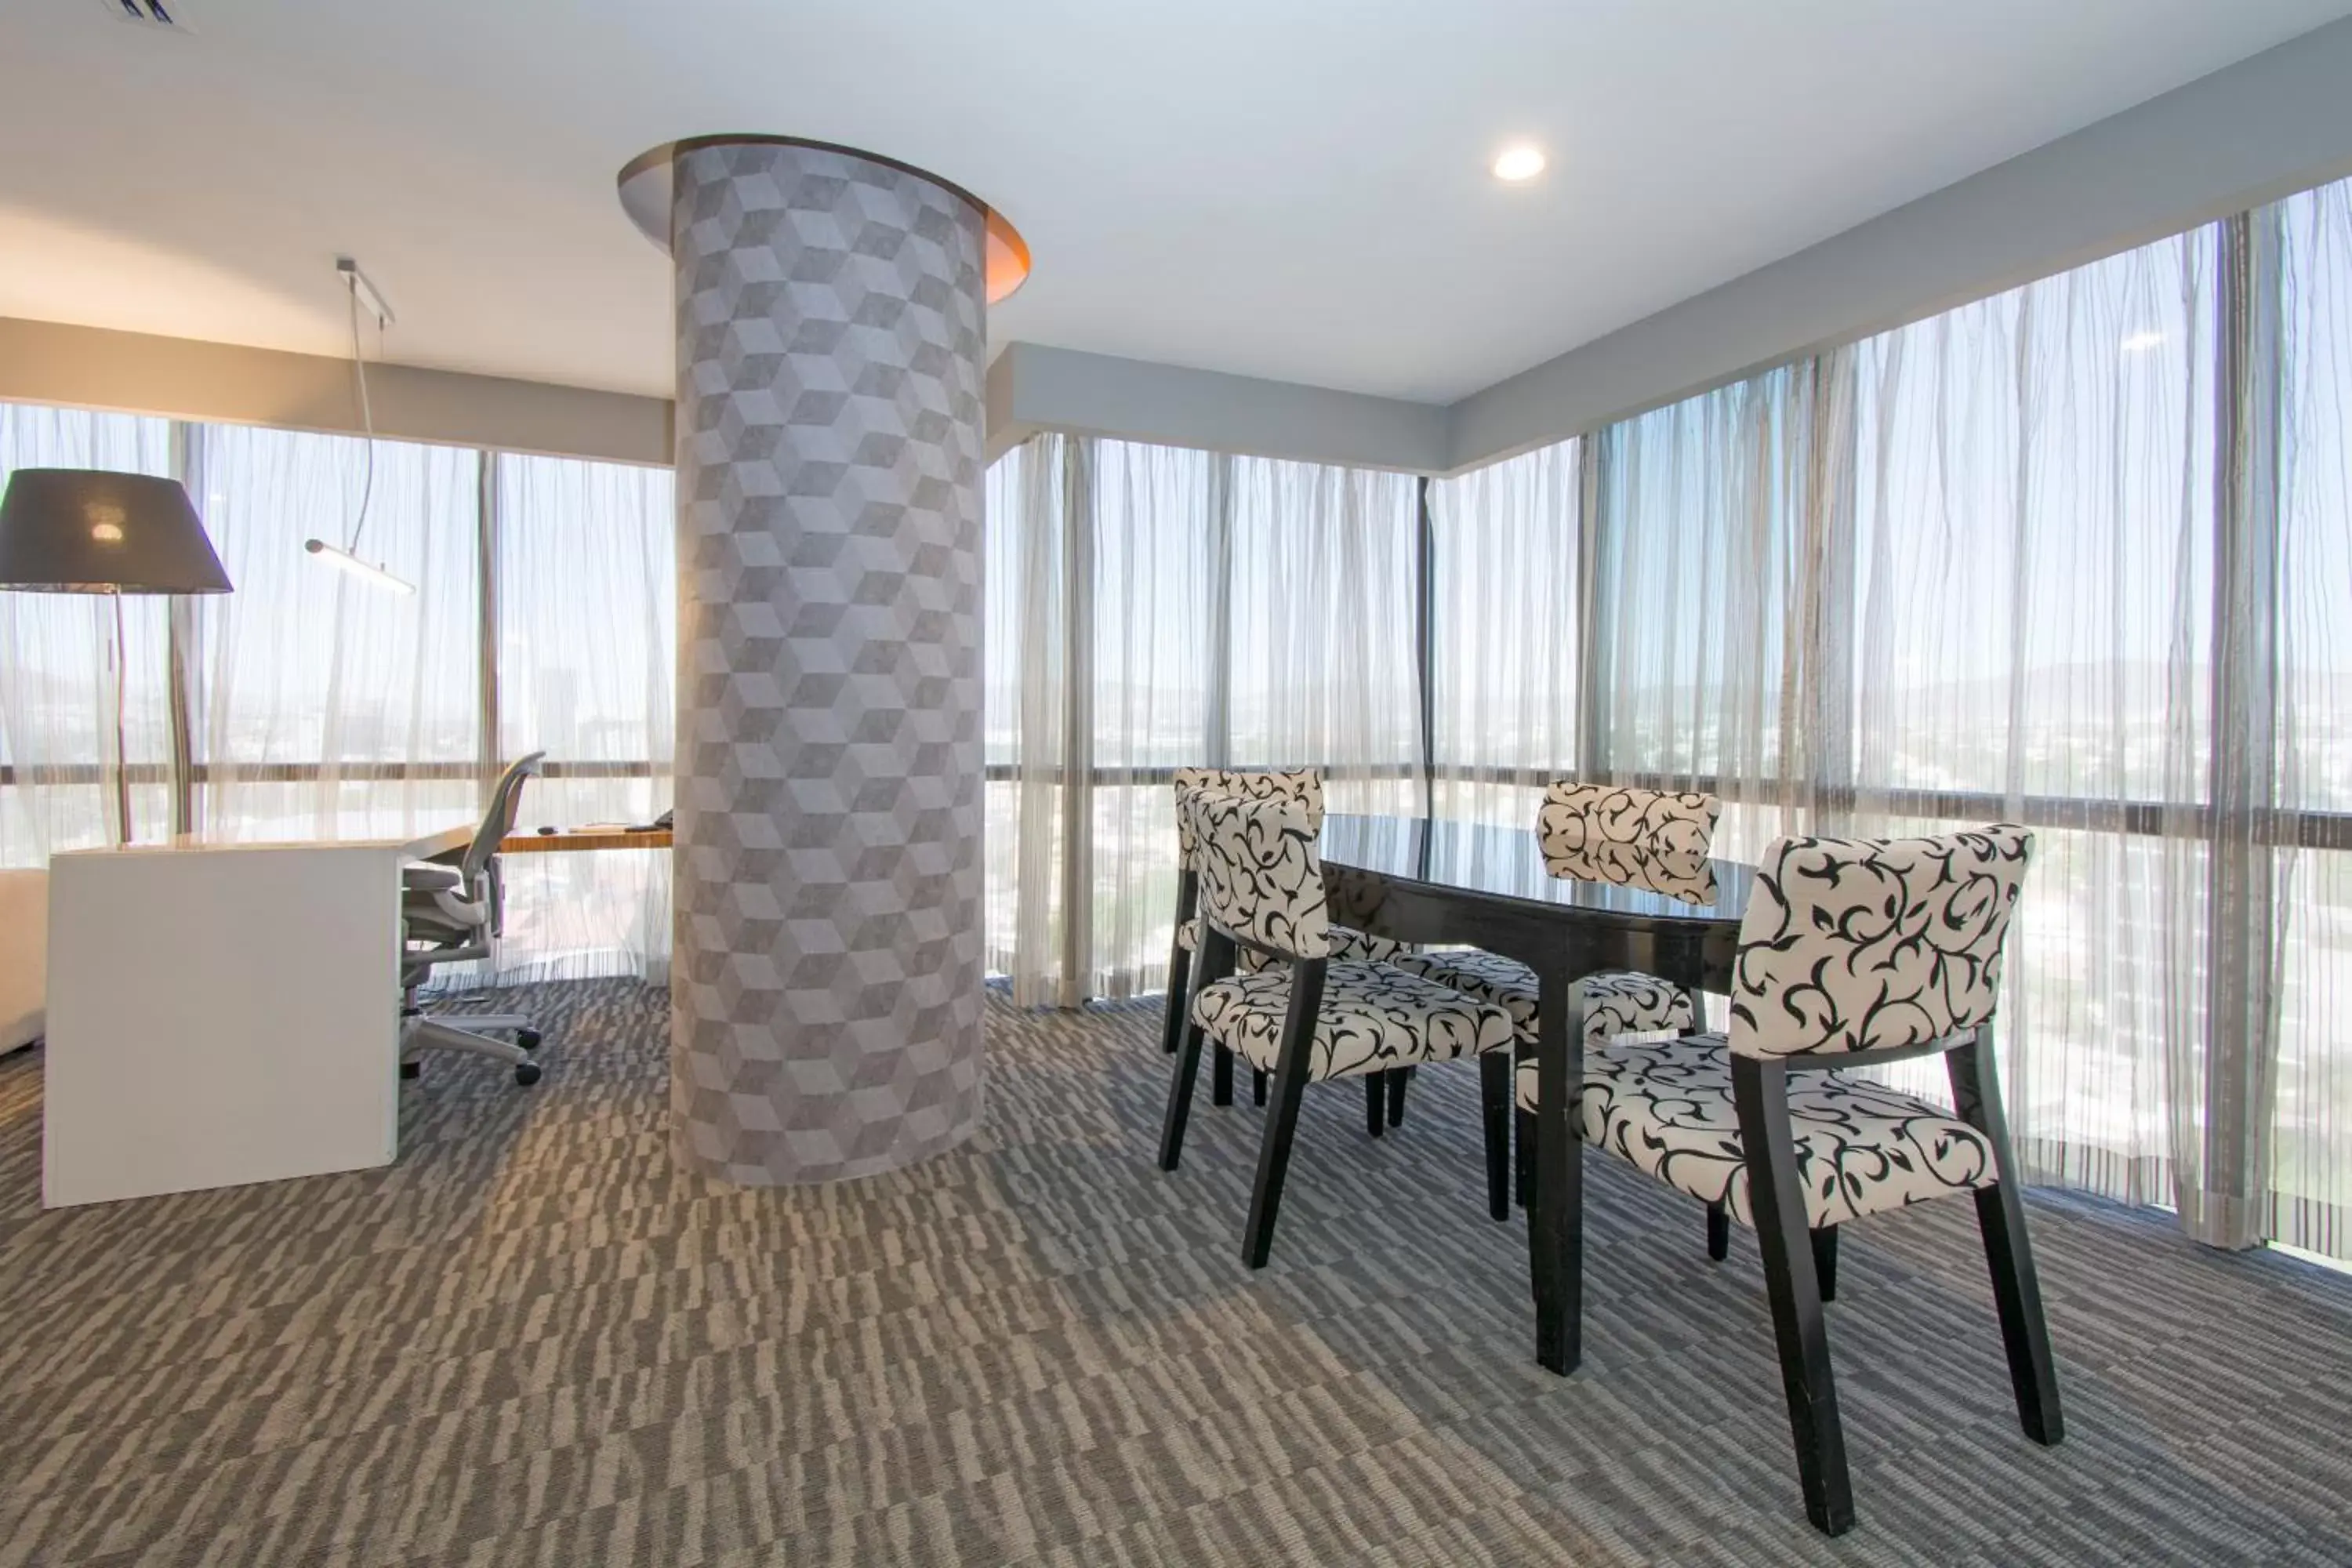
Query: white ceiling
(1288,190)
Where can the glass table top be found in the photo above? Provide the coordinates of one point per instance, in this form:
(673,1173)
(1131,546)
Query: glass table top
(1509,863)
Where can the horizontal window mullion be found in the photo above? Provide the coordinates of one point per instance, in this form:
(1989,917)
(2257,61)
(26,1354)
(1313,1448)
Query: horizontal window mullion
(65,774)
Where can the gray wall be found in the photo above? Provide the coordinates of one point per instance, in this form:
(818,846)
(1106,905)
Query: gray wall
(137,372)
(1032,387)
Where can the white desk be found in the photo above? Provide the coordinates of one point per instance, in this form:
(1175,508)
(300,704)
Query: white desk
(222,1013)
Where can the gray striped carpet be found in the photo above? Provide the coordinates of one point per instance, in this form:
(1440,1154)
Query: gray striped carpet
(532,1341)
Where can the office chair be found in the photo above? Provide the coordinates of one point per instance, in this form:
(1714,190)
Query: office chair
(449,913)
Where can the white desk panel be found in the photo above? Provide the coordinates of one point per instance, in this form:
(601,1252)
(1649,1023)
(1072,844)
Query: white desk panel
(221,1014)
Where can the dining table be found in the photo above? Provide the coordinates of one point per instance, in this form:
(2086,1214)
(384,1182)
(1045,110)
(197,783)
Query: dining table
(1436,880)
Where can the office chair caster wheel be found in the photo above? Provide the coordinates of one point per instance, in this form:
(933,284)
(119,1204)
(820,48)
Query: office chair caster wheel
(526,1073)
(527,1038)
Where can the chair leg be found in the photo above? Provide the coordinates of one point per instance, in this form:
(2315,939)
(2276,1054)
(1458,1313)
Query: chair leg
(1179,971)
(1179,1099)
(1376,1102)
(1825,1260)
(1221,1087)
(1760,1093)
(1398,1079)
(1216,949)
(1282,1117)
(1495,1103)
(1718,1231)
(2000,1216)
(1523,1137)
(1257,1086)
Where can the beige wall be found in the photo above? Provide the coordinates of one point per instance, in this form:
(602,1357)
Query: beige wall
(87,367)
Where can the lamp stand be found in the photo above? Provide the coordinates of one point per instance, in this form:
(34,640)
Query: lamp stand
(121,749)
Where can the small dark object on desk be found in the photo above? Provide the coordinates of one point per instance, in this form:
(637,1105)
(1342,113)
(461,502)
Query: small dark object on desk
(549,832)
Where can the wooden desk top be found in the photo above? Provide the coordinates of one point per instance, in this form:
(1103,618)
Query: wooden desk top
(601,839)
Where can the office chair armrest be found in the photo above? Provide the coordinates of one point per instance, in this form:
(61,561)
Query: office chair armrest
(461,909)
(431,878)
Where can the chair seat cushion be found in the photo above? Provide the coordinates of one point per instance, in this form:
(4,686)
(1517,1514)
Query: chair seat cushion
(1861,1146)
(1348,942)
(1624,1003)
(1373,1017)
(1345,942)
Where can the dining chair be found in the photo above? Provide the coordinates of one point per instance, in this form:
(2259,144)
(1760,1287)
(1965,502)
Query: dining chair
(1308,1016)
(1385,1098)
(1600,832)
(1852,954)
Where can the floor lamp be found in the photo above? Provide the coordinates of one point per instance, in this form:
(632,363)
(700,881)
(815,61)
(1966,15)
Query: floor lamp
(86,531)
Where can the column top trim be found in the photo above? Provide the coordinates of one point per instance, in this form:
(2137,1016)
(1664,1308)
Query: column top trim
(647,180)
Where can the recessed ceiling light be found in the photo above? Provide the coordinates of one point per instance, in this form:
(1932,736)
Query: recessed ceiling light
(1517,164)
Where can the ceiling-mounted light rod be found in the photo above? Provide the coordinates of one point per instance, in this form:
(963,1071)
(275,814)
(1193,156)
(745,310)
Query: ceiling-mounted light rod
(335,556)
(368,294)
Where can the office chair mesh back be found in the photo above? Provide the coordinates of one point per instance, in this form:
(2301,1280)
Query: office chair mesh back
(479,870)
(506,805)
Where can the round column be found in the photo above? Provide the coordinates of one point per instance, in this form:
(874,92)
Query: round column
(826,988)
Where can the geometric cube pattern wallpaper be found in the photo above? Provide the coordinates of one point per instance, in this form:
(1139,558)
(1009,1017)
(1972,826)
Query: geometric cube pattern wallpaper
(826,988)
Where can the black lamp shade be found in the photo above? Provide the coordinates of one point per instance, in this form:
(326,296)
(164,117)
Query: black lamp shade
(87,530)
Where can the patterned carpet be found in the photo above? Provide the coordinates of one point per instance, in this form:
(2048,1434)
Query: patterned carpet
(532,1341)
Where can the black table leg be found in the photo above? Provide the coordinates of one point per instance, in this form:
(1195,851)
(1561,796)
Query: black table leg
(1556,1223)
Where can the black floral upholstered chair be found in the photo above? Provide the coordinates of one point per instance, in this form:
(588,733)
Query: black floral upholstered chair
(1309,1016)
(1853,953)
(1598,833)
(1305,787)
(1635,837)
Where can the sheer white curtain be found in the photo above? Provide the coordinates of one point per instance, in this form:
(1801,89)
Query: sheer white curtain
(1506,620)
(2079,555)
(325,705)
(1324,667)
(2032,635)
(1151,609)
(586,574)
(2311,1156)
(57,687)
(1027,699)
(1721,540)
(1099,649)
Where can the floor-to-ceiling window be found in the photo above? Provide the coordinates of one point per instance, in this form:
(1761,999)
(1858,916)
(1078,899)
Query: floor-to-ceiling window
(2031,625)
(2310,1162)
(1506,587)
(312,703)
(325,705)
(2078,555)
(585,633)
(1151,609)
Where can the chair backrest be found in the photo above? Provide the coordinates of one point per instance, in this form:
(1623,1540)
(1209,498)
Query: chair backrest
(1261,879)
(1303,786)
(506,805)
(1637,837)
(1863,944)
